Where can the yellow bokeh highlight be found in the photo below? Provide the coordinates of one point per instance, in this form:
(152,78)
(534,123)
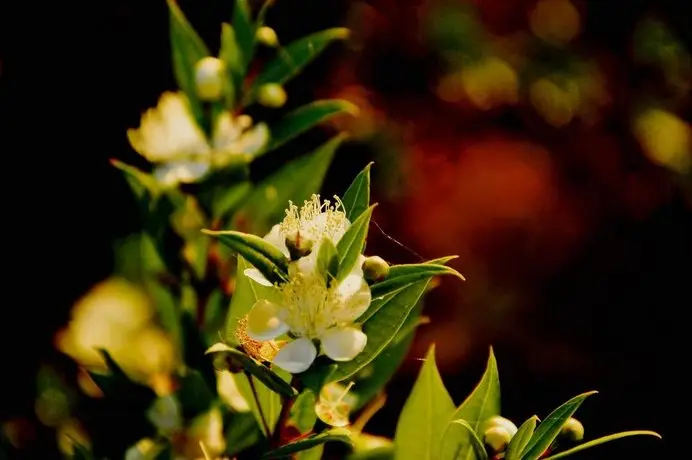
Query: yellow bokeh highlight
(117,316)
(665,139)
(488,83)
(557,104)
(555,21)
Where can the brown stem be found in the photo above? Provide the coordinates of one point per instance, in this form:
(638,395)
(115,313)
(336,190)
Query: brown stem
(284,415)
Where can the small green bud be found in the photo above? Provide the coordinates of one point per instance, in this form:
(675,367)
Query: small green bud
(375,268)
(497,438)
(267,36)
(298,246)
(572,430)
(209,78)
(272,95)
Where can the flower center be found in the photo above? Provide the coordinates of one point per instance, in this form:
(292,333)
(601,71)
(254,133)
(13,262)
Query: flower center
(311,306)
(315,219)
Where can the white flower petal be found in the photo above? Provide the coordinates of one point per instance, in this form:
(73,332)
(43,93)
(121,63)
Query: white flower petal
(297,356)
(277,239)
(343,343)
(257,276)
(253,140)
(264,321)
(355,297)
(177,172)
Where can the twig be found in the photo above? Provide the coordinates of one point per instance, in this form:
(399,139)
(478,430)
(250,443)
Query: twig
(286,405)
(259,405)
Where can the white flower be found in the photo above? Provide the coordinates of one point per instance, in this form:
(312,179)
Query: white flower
(307,307)
(170,138)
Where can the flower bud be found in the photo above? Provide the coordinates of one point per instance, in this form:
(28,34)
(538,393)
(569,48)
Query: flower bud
(572,430)
(209,78)
(298,246)
(375,268)
(500,421)
(272,95)
(497,438)
(267,36)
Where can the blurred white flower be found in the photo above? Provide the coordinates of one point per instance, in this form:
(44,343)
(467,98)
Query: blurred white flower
(307,306)
(170,138)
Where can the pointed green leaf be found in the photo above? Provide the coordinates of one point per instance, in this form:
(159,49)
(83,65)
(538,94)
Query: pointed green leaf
(425,414)
(372,378)
(194,394)
(306,117)
(244,32)
(314,453)
(266,257)
(187,49)
(334,435)
(603,440)
(328,260)
(350,246)
(140,182)
(294,57)
(382,327)
(402,275)
(233,64)
(550,428)
(460,441)
(245,295)
(303,415)
(483,402)
(357,197)
(267,376)
(521,439)
(296,181)
(317,376)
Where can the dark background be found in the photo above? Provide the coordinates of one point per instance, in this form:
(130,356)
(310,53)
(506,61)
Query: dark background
(75,77)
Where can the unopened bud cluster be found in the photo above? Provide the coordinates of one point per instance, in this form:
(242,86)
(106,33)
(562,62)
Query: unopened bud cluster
(375,269)
(498,433)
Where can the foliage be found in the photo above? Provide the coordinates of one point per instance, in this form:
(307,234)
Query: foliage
(241,325)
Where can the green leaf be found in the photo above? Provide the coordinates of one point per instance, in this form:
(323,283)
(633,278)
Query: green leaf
(187,49)
(521,439)
(249,364)
(378,453)
(425,414)
(461,441)
(314,453)
(382,327)
(305,117)
(194,394)
(246,294)
(233,64)
(296,181)
(603,440)
(266,407)
(328,260)
(227,200)
(294,57)
(317,376)
(244,32)
(357,197)
(334,435)
(303,415)
(384,366)
(550,428)
(483,402)
(403,275)
(350,246)
(140,183)
(264,256)
(242,432)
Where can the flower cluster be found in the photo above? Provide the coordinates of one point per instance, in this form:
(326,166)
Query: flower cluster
(309,307)
(170,138)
